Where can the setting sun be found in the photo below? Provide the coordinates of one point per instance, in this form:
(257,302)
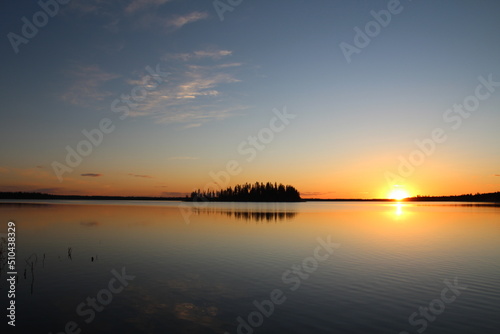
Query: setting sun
(398,194)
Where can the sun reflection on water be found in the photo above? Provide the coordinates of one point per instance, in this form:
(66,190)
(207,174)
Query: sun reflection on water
(399,209)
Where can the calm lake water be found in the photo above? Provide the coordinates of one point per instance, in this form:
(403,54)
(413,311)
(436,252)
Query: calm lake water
(345,267)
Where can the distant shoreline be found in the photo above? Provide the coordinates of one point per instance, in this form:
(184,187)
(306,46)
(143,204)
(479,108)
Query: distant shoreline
(480,198)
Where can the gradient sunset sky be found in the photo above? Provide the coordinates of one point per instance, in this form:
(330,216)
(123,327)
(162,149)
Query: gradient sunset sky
(351,120)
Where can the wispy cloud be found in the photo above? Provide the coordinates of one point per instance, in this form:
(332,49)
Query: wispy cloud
(86,86)
(152,20)
(228,65)
(91,174)
(135,14)
(181,20)
(143,176)
(214,54)
(496,175)
(192,125)
(193,93)
(200,84)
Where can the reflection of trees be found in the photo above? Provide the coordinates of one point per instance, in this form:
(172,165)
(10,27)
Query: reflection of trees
(261,216)
(247,215)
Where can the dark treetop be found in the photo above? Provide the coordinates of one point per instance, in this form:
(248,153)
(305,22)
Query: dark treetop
(257,192)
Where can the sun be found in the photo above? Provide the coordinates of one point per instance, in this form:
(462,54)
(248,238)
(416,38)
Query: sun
(398,194)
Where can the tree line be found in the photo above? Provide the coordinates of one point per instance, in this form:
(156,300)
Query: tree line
(477,197)
(257,192)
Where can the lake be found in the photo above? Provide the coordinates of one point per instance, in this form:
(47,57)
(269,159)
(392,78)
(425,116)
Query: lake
(312,267)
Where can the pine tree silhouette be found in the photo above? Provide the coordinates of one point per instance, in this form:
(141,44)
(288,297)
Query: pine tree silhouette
(257,192)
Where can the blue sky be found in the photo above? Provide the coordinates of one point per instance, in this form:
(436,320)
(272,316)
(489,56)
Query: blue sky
(352,121)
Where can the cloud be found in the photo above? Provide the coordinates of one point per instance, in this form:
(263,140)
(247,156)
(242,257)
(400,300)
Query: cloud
(143,176)
(213,54)
(134,14)
(4,170)
(496,175)
(91,174)
(87,84)
(153,21)
(228,65)
(192,125)
(181,20)
(183,158)
(192,94)
(199,84)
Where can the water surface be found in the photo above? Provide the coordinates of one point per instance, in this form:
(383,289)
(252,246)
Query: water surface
(204,269)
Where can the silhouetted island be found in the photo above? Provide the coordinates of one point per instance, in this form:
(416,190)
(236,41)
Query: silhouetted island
(257,192)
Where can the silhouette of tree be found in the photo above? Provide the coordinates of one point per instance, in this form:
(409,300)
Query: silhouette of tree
(257,192)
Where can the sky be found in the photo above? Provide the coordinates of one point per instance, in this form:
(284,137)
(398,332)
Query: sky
(341,99)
